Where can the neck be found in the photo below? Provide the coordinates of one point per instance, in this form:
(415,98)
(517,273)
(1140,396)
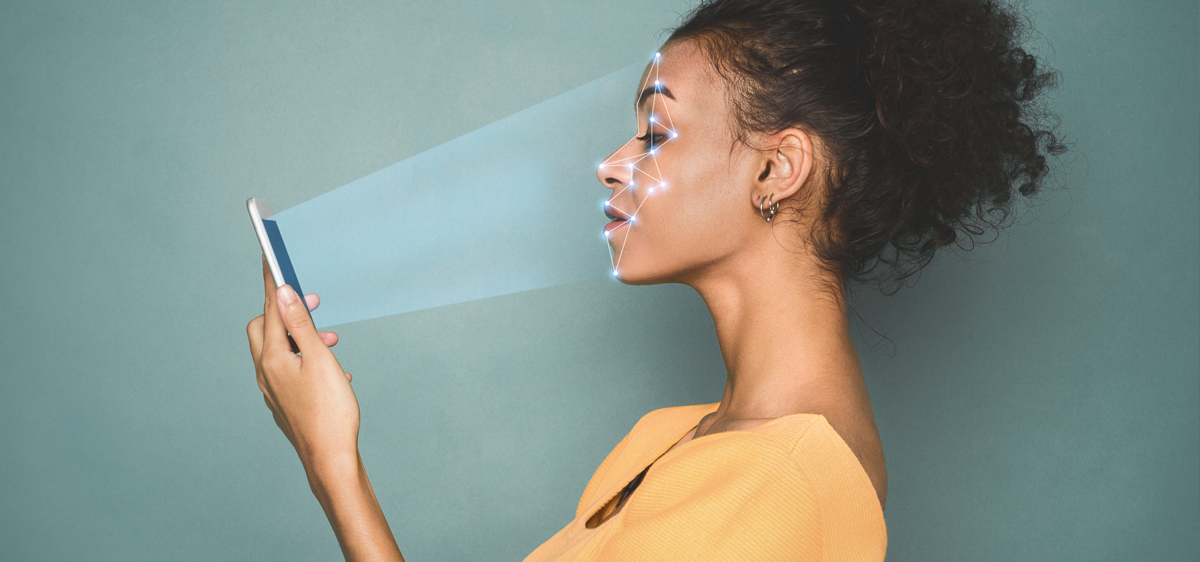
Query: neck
(784,337)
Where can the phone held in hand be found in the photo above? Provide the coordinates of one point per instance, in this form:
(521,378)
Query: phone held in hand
(272,246)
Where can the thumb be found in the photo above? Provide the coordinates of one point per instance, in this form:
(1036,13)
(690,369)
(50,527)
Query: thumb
(295,316)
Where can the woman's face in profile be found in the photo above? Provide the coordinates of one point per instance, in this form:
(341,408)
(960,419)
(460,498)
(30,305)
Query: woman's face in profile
(682,182)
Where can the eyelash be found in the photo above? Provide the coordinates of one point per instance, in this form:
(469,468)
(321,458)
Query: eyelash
(653,138)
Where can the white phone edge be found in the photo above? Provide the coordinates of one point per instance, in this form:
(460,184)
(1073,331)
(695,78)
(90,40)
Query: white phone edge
(259,210)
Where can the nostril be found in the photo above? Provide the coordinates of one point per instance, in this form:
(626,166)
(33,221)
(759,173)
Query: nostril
(611,181)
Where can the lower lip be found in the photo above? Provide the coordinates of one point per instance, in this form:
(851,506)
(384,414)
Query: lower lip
(613,226)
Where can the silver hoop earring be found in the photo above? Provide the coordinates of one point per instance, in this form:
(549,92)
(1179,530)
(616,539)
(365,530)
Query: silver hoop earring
(771,207)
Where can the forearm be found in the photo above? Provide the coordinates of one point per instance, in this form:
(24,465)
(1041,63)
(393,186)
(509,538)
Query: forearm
(344,491)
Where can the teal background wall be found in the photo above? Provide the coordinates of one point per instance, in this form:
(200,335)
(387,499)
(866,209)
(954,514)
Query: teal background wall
(1038,398)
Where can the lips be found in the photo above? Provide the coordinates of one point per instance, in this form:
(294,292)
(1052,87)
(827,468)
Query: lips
(613,214)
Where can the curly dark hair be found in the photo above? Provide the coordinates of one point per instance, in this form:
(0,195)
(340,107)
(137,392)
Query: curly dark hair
(928,113)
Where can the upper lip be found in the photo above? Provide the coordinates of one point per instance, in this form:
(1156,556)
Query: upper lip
(614,214)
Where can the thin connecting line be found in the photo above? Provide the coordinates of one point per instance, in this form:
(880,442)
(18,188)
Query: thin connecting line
(643,87)
(610,252)
(632,163)
(622,253)
(660,174)
(635,158)
(633,166)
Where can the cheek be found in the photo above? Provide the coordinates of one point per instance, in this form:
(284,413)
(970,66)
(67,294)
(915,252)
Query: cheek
(694,208)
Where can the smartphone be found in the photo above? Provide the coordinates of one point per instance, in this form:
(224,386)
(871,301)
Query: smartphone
(272,246)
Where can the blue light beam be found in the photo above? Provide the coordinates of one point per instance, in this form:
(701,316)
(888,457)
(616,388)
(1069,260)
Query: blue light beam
(506,208)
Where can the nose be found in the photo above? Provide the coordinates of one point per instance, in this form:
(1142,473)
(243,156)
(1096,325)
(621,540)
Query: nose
(615,171)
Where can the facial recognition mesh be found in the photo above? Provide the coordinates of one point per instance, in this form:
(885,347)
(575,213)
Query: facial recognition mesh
(644,163)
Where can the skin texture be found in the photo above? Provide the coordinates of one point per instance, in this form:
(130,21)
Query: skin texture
(783,334)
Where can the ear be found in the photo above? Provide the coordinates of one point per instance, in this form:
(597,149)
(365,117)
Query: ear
(784,167)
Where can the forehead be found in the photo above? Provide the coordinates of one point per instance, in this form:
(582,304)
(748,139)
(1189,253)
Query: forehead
(685,70)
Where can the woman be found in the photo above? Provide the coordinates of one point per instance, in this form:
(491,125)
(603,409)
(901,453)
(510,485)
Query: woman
(786,149)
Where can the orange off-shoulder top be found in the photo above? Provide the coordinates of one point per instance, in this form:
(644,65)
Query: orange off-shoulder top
(789,489)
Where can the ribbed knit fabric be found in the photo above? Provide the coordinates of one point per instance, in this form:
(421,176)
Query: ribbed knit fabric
(790,489)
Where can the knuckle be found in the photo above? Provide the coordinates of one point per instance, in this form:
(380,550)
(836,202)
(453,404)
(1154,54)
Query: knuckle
(298,320)
(255,326)
(270,364)
(274,367)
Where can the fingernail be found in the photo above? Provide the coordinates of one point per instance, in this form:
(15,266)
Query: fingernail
(286,295)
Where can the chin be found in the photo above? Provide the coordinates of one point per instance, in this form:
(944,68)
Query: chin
(646,259)
(632,272)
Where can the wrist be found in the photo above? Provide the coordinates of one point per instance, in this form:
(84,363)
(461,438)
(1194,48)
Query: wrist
(341,486)
(330,471)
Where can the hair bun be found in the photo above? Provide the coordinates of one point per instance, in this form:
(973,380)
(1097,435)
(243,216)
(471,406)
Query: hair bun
(942,69)
(956,90)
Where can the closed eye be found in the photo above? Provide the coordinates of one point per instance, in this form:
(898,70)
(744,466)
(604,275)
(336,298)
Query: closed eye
(654,139)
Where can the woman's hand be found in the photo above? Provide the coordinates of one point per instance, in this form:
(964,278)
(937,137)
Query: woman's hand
(309,394)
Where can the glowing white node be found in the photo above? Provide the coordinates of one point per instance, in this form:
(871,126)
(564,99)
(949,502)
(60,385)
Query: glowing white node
(606,203)
(657,83)
(651,151)
(653,120)
(614,273)
(656,55)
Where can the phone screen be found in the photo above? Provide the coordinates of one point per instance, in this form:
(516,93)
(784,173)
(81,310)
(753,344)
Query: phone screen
(281,257)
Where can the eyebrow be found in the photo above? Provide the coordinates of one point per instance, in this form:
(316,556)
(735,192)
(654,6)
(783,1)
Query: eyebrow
(655,89)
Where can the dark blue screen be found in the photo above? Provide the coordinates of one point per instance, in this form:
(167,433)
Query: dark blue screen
(281,257)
